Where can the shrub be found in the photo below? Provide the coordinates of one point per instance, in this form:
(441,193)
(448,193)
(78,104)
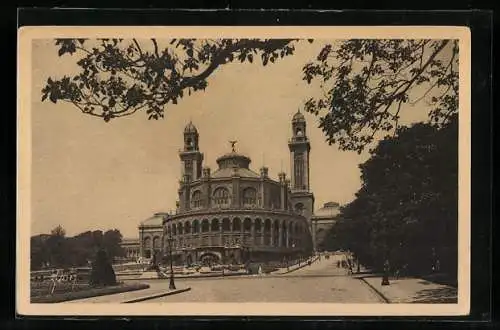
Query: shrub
(102,273)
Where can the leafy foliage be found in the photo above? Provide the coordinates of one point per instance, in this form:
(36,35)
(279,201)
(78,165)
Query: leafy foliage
(407,208)
(119,77)
(367,82)
(57,250)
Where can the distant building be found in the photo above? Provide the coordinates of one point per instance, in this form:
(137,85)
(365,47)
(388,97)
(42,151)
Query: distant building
(322,221)
(131,247)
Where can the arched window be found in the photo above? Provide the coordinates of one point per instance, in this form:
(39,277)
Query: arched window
(258,225)
(214,226)
(147,242)
(196,227)
(226,224)
(174,229)
(299,170)
(187,227)
(196,199)
(156,243)
(236,224)
(205,226)
(283,234)
(276,231)
(221,196)
(299,208)
(249,196)
(247,225)
(188,164)
(179,228)
(267,226)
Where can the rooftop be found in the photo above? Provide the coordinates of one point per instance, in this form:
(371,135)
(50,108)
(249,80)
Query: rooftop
(329,209)
(154,221)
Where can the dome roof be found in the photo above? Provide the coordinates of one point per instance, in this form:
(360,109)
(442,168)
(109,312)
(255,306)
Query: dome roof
(154,221)
(190,128)
(233,159)
(330,209)
(232,163)
(298,116)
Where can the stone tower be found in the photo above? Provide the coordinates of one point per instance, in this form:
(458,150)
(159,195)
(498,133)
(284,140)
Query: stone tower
(192,163)
(300,148)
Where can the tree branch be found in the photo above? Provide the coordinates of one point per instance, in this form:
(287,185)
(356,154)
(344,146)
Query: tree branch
(220,58)
(138,48)
(155,46)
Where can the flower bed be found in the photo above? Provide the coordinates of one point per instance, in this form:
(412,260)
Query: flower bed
(64,292)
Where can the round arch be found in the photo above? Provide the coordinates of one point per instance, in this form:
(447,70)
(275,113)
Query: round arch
(236,224)
(249,196)
(187,227)
(226,225)
(221,196)
(196,226)
(267,226)
(299,208)
(214,225)
(205,226)
(247,225)
(258,225)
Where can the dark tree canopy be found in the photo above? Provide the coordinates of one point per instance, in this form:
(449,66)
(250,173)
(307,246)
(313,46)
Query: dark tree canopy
(407,207)
(57,250)
(365,82)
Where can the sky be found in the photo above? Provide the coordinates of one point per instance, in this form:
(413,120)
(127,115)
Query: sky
(88,174)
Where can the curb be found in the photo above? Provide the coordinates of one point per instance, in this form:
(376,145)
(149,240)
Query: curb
(158,295)
(299,267)
(384,298)
(184,276)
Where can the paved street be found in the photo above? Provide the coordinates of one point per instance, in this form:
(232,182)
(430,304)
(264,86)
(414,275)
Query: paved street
(320,282)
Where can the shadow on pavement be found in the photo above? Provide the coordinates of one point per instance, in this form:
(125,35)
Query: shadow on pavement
(445,295)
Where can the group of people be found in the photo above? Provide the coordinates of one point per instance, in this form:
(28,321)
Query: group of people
(347,264)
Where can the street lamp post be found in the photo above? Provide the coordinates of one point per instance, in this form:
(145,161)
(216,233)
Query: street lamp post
(171,285)
(385,278)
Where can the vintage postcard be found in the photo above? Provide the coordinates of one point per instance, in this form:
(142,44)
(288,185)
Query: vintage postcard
(305,171)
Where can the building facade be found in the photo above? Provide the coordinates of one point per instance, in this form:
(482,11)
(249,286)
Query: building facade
(322,222)
(132,248)
(235,214)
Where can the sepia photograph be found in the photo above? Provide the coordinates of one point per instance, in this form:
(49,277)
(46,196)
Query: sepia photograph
(243,171)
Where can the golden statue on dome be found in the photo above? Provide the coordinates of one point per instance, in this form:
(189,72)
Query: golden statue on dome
(233,143)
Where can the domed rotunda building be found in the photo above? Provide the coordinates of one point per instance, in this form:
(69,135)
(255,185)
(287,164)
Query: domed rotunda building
(235,214)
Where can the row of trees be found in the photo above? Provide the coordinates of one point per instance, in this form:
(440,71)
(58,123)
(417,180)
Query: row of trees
(57,250)
(407,208)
